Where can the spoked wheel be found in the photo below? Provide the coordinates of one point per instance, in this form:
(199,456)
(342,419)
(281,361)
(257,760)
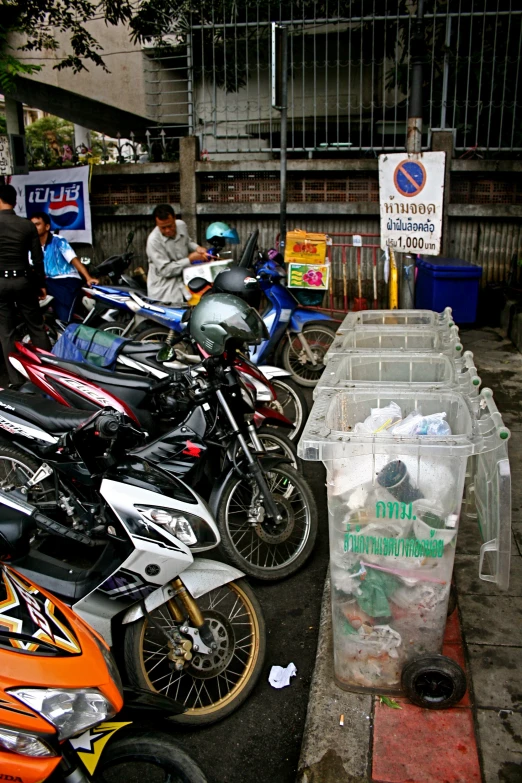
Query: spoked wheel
(291,402)
(115,327)
(296,359)
(252,541)
(213,685)
(434,682)
(16,468)
(150,757)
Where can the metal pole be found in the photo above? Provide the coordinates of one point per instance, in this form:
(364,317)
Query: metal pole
(445,75)
(414,134)
(283,143)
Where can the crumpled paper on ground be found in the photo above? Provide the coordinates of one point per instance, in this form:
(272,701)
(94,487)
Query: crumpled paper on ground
(279,677)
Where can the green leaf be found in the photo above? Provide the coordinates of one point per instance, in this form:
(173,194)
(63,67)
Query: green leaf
(390,702)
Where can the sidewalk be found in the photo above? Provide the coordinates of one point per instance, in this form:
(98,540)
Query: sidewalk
(480,739)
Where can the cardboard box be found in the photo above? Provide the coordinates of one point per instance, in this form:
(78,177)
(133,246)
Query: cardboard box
(305,248)
(313,277)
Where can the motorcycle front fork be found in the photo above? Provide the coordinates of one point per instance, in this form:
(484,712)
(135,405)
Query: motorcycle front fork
(254,465)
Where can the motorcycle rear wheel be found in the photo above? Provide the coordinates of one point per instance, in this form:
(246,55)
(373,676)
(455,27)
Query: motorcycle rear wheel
(319,338)
(152,757)
(16,468)
(291,402)
(210,686)
(260,549)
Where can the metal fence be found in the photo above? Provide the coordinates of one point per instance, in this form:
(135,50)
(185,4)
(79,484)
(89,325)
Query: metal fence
(348,76)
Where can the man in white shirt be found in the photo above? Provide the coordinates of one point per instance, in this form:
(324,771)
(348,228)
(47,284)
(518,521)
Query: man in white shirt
(169,251)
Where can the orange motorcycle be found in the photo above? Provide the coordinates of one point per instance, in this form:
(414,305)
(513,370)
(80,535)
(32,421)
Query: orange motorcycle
(60,692)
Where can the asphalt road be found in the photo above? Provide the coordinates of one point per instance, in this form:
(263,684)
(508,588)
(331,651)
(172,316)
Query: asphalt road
(262,740)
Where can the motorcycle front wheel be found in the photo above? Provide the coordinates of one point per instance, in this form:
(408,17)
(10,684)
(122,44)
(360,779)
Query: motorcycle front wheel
(250,539)
(149,757)
(212,686)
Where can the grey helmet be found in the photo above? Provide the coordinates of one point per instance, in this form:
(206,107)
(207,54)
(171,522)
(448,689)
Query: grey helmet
(222,321)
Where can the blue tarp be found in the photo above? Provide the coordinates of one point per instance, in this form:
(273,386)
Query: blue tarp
(91,346)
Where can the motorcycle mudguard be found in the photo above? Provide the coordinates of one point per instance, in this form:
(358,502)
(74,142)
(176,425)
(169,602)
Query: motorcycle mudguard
(221,482)
(199,578)
(302,317)
(269,371)
(269,416)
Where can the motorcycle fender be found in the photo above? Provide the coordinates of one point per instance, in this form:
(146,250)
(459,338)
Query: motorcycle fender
(269,416)
(301,317)
(199,578)
(269,371)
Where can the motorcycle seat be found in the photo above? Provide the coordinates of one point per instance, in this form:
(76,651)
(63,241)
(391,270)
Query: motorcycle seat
(49,415)
(104,378)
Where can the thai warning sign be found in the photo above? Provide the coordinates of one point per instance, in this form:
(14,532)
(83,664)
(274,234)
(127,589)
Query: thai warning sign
(411,190)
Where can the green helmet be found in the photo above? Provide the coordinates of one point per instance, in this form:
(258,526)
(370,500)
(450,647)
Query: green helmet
(222,321)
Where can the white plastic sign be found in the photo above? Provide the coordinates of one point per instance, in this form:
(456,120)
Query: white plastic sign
(6,161)
(357,240)
(411,194)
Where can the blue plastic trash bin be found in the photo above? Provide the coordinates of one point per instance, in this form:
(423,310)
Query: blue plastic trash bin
(448,282)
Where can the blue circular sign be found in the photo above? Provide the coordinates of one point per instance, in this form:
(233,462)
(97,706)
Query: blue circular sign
(409,177)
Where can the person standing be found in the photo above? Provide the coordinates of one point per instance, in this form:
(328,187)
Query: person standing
(21,284)
(169,251)
(63,269)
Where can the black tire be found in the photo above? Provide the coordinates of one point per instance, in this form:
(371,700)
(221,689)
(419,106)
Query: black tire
(292,403)
(244,544)
(242,669)
(139,757)
(16,467)
(320,335)
(434,682)
(278,445)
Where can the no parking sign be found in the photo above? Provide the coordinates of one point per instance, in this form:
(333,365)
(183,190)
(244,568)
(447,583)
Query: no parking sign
(411,193)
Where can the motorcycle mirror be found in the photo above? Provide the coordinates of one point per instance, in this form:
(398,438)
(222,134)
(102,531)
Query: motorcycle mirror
(166,353)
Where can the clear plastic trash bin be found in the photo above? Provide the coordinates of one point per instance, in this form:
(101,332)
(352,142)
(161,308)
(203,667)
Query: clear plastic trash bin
(397,318)
(408,339)
(394,505)
(402,370)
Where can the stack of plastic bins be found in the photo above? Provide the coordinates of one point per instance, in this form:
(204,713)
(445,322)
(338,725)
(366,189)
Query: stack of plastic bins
(394,505)
(407,339)
(397,318)
(400,370)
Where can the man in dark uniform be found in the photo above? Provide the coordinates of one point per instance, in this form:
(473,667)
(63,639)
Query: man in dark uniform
(20,283)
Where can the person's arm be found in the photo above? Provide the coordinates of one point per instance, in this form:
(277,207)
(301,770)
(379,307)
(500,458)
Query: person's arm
(82,269)
(197,252)
(37,260)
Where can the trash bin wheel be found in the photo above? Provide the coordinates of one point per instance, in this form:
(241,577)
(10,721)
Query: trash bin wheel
(434,682)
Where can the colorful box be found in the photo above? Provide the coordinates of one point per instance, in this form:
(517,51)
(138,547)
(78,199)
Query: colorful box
(314,277)
(305,248)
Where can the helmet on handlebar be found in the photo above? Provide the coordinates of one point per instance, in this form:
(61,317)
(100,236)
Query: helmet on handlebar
(239,282)
(222,231)
(222,321)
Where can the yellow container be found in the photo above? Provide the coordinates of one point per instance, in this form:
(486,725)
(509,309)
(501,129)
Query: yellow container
(305,248)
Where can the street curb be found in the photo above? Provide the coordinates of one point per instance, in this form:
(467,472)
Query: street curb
(331,753)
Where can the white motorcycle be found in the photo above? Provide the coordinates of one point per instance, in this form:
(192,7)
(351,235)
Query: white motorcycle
(190,627)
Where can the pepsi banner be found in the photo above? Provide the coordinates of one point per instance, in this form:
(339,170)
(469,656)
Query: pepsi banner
(64,195)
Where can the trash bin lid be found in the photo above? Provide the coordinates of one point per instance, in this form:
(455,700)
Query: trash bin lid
(450,267)
(394,318)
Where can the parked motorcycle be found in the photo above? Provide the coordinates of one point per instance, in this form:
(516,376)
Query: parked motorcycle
(190,627)
(226,460)
(60,690)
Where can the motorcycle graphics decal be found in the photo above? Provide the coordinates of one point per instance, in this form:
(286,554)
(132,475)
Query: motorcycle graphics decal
(192,449)
(27,432)
(24,610)
(90,744)
(92,392)
(9,707)
(15,778)
(126,584)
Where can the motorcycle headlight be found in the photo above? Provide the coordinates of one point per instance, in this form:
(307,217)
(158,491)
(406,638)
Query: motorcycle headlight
(191,530)
(23,743)
(71,711)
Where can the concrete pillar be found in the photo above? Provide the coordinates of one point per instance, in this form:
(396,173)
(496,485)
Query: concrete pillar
(82,136)
(14,116)
(443,141)
(188,155)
